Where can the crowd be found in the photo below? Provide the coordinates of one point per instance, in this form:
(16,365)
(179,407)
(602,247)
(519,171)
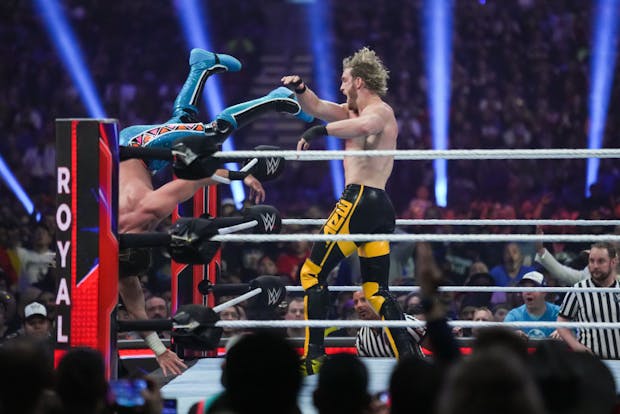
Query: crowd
(501,375)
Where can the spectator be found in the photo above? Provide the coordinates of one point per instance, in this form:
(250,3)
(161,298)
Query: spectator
(500,311)
(35,263)
(157,308)
(509,272)
(36,323)
(342,386)
(512,269)
(289,262)
(295,312)
(81,383)
(232,313)
(494,381)
(26,374)
(8,328)
(482,314)
(414,382)
(270,386)
(535,308)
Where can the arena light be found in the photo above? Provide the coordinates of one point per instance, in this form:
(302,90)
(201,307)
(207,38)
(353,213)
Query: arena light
(192,16)
(602,64)
(437,32)
(320,22)
(69,50)
(17,189)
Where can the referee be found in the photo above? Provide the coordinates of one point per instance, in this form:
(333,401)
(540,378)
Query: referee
(595,306)
(374,342)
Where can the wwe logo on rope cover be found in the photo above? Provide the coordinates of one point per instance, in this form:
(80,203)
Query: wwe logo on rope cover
(272,296)
(269,221)
(272,165)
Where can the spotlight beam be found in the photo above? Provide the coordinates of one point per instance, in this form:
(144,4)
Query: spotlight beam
(320,32)
(602,64)
(437,32)
(69,50)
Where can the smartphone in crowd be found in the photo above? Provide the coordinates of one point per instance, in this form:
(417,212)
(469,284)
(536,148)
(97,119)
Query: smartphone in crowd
(128,392)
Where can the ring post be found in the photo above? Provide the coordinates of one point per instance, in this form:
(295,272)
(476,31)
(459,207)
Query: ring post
(186,278)
(87,243)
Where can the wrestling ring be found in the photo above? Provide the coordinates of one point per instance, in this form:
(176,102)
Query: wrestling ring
(82,290)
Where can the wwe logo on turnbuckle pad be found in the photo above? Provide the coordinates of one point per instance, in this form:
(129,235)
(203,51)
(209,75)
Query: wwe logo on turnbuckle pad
(273,296)
(272,165)
(269,221)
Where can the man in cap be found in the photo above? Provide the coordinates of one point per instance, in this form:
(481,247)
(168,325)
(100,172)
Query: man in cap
(535,308)
(36,322)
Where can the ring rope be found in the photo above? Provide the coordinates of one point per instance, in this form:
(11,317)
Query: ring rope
(238,299)
(314,323)
(465,289)
(256,238)
(470,222)
(475,154)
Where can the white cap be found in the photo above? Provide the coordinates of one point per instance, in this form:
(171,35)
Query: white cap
(35,308)
(535,277)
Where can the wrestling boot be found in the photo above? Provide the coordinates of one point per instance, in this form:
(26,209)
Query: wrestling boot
(317,303)
(312,362)
(278,100)
(202,65)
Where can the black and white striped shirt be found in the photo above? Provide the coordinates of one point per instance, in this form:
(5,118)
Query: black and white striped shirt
(595,307)
(373,342)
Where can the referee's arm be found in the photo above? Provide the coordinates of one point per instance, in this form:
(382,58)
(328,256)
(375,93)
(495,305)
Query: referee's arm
(570,338)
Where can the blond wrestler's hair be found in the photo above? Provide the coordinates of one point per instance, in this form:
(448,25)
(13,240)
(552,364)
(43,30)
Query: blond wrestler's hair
(367,65)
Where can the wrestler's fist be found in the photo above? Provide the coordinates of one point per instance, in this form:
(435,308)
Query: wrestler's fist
(294,82)
(170,363)
(302,144)
(257,192)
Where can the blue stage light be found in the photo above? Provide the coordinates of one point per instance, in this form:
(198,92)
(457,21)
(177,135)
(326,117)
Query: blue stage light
(193,16)
(437,26)
(69,50)
(17,189)
(320,34)
(602,64)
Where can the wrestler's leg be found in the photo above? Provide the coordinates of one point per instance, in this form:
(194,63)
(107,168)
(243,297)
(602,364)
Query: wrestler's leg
(230,119)
(313,276)
(278,100)
(202,65)
(375,267)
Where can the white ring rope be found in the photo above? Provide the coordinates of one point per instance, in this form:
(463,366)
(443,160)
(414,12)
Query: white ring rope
(314,323)
(475,154)
(255,238)
(517,289)
(471,222)
(238,299)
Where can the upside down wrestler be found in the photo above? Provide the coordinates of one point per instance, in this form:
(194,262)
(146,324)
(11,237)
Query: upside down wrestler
(364,122)
(142,208)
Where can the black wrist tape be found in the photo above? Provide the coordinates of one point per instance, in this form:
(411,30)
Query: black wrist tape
(237,175)
(300,87)
(315,131)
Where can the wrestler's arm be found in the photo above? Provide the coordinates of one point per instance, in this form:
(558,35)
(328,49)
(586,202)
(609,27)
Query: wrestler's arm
(371,122)
(162,202)
(130,290)
(313,105)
